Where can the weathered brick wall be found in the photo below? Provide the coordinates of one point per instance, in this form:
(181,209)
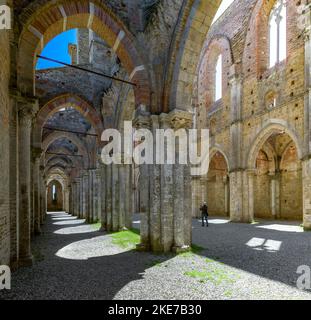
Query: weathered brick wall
(245,27)
(4,147)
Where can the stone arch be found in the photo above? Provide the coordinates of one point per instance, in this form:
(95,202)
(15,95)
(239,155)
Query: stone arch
(218,45)
(195,20)
(72,137)
(218,148)
(40,26)
(68,100)
(269,128)
(217,183)
(256,61)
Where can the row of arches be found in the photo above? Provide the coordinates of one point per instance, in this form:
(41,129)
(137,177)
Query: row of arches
(274,161)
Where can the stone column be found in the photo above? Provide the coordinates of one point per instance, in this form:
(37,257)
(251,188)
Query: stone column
(103,197)
(275,194)
(44,201)
(25,116)
(99,191)
(142,121)
(236,195)
(80,197)
(85,195)
(306,193)
(91,194)
(115,198)
(108,194)
(227,195)
(249,216)
(36,155)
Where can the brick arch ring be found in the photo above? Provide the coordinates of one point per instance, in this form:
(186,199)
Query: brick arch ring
(56,17)
(68,100)
(271,126)
(70,136)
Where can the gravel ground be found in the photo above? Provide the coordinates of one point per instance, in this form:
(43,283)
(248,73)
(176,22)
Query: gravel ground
(74,260)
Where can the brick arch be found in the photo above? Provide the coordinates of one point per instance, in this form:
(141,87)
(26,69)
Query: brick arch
(194,23)
(271,126)
(217,149)
(72,137)
(58,175)
(74,161)
(56,161)
(256,51)
(56,17)
(205,86)
(63,101)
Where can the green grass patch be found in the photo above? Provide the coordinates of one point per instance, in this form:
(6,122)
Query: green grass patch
(126,239)
(195,250)
(96,225)
(216,276)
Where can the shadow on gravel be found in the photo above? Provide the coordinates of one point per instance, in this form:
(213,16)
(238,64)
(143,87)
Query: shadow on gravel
(53,277)
(260,249)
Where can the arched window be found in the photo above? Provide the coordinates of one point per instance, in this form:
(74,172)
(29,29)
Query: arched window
(54,192)
(218,79)
(277,27)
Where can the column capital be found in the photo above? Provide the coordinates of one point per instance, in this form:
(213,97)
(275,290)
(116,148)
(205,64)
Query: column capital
(180,119)
(142,119)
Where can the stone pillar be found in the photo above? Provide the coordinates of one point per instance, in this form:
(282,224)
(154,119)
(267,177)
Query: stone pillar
(142,121)
(44,199)
(36,155)
(102,190)
(236,195)
(80,197)
(306,162)
(25,116)
(167,221)
(85,195)
(115,198)
(99,191)
(167,196)
(306,193)
(91,195)
(108,194)
(249,212)
(275,194)
(227,196)
(128,197)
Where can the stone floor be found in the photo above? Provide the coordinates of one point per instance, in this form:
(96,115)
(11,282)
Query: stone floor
(236,261)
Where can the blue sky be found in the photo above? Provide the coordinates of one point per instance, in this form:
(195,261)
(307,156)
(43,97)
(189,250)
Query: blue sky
(57,49)
(223,7)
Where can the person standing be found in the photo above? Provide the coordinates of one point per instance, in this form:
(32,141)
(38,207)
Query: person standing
(204,211)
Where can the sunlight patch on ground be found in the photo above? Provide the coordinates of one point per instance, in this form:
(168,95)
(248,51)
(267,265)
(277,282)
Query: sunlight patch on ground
(89,248)
(261,244)
(76,230)
(282,227)
(216,221)
(63,223)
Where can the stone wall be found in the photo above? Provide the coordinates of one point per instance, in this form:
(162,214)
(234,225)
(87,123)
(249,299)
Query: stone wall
(237,121)
(4,147)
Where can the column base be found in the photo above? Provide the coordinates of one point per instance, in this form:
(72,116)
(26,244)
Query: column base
(143,247)
(38,232)
(14,265)
(25,261)
(182,249)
